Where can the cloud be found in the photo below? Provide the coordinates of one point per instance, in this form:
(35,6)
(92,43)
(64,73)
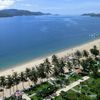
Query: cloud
(6,3)
(28,5)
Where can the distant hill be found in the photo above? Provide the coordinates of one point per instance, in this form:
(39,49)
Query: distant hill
(91,14)
(15,12)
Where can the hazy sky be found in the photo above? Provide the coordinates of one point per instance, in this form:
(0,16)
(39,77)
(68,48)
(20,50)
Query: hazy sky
(54,6)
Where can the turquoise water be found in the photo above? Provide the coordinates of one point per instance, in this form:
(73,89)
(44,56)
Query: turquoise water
(28,37)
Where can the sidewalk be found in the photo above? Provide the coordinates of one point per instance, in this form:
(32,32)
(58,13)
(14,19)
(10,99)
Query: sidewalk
(72,85)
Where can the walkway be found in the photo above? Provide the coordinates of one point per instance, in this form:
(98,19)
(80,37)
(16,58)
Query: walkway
(72,85)
(26,97)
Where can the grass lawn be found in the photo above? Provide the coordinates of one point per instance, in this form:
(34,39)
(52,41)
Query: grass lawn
(76,87)
(37,88)
(74,78)
(88,91)
(44,93)
(36,98)
(58,98)
(65,94)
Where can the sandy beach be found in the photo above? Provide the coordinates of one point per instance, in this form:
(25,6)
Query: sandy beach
(63,53)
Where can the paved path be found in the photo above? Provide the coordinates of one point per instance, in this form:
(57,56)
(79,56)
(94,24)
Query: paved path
(72,85)
(26,97)
(75,90)
(32,95)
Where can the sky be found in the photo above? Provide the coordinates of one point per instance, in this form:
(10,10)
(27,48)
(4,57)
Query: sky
(65,7)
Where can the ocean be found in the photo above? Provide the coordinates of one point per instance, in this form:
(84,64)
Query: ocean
(24,38)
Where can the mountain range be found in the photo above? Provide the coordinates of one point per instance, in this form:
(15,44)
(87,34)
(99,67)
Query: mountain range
(16,12)
(92,14)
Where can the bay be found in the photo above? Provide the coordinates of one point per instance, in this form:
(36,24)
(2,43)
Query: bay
(24,38)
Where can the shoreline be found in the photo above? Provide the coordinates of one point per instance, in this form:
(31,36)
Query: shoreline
(61,53)
(45,55)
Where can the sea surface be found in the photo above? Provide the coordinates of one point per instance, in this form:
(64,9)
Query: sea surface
(25,38)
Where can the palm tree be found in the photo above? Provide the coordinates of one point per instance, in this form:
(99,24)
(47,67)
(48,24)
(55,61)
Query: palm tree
(78,54)
(16,79)
(41,71)
(85,53)
(69,65)
(2,83)
(34,76)
(22,78)
(76,62)
(61,66)
(47,66)
(94,51)
(85,65)
(27,72)
(55,71)
(55,60)
(10,82)
(94,67)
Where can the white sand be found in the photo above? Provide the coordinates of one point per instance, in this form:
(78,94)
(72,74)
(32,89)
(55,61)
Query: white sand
(30,64)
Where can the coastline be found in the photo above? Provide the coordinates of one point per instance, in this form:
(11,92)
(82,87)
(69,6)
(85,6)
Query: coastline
(21,67)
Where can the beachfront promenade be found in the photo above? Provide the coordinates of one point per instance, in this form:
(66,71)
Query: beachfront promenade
(67,88)
(11,91)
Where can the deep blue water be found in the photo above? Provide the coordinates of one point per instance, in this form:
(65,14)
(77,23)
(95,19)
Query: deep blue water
(25,38)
